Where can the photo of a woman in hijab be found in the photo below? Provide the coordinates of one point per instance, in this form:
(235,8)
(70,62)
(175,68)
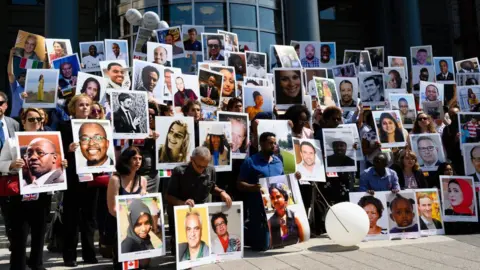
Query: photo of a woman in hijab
(140,224)
(285,228)
(460,198)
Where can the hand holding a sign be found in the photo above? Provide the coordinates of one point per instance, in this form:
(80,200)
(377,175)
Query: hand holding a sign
(17,164)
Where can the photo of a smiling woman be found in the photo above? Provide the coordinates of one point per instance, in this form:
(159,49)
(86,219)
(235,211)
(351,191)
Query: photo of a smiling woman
(288,87)
(140,225)
(177,143)
(460,198)
(390,130)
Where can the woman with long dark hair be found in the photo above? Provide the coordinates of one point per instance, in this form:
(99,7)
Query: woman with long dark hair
(91,87)
(390,131)
(177,142)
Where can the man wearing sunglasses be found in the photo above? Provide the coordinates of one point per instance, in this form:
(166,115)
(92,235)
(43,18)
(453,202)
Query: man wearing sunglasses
(192,184)
(214,45)
(94,144)
(8,125)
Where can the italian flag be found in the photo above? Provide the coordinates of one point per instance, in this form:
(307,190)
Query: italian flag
(26,63)
(130,265)
(165,173)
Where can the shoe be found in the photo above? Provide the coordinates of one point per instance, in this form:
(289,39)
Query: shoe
(70,264)
(90,261)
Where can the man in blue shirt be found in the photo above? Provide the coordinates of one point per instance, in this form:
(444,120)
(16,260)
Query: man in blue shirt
(192,44)
(17,86)
(379,177)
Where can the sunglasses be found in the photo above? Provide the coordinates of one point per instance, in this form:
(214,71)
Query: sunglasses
(213,46)
(423,118)
(35,119)
(2,102)
(95,111)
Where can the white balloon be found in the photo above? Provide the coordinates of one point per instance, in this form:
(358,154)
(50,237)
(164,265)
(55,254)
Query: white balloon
(133,16)
(355,220)
(151,20)
(162,25)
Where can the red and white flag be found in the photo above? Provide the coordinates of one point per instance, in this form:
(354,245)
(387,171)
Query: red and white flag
(130,265)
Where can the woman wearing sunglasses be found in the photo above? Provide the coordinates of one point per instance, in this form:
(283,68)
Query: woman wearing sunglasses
(26,213)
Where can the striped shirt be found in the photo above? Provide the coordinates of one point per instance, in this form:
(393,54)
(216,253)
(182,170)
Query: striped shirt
(472,129)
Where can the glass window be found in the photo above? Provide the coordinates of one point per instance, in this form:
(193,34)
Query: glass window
(270,20)
(177,14)
(243,15)
(210,14)
(247,37)
(214,29)
(267,39)
(328,14)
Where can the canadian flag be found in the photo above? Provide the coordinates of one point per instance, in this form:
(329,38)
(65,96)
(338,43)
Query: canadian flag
(130,265)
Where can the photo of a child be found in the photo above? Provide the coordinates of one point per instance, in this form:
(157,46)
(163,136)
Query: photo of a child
(403,214)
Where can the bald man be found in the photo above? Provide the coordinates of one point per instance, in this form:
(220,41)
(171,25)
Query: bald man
(160,56)
(94,144)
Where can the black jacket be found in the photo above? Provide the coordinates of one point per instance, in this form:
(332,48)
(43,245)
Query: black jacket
(421,181)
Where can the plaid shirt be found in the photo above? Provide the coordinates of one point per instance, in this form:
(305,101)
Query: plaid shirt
(314,63)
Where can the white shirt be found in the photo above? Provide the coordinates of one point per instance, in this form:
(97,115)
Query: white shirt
(312,88)
(121,56)
(36,183)
(92,62)
(5,128)
(430,225)
(306,174)
(257,72)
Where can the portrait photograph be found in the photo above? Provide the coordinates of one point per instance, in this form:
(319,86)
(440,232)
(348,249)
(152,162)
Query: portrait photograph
(148,77)
(169,86)
(288,87)
(130,114)
(257,99)
(286,216)
(389,92)
(144,35)
(339,153)
(371,88)
(422,74)
(376,208)
(140,227)
(30,46)
(239,62)
(395,78)
(91,85)
(434,109)
(287,56)
(398,61)
(449,93)
(466,79)
(361,60)
(467,65)
(58,48)
(91,53)
(429,150)
(116,73)
(160,54)
(471,160)
(347,89)
(444,68)
(388,125)
(326,92)
(117,49)
(213,46)
(459,199)
(226,231)
(211,86)
(217,137)
(256,64)
(377,57)
(421,55)
(41,88)
(192,234)
(346,70)
(192,38)
(403,221)
(430,92)
(229,84)
(186,88)
(95,153)
(175,142)
(42,153)
(240,132)
(309,82)
(429,211)
(468,98)
(405,104)
(69,67)
(309,159)
(231,41)
(328,54)
(309,54)
(250,81)
(356,138)
(283,134)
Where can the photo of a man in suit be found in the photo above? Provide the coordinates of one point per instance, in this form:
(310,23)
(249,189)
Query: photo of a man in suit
(467,66)
(124,119)
(150,77)
(428,152)
(41,160)
(209,92)
(427,222)
(444,74)
(214,46)
(475,158)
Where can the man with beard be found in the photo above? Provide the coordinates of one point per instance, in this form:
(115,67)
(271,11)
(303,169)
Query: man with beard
(428,152)
(117,55)
(92,60)
(150,76)
(124,119)
(175,49)
(423,77)
(41,158)
(309,167)
(94,144)
(339,157)
(67,80)
(325,54)
(214,46)
(160,56)
(116,76)
(444,74)
(310,60)
(427,222)
(195,248)
(346,94)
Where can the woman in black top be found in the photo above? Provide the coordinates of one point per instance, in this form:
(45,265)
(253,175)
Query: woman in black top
(408,171)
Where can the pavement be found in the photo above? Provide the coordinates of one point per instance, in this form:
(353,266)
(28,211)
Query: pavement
(434,252)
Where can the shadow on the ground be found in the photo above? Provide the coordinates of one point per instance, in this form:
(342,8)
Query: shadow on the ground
(332,248)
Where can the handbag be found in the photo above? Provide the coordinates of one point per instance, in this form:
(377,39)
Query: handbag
(9,185)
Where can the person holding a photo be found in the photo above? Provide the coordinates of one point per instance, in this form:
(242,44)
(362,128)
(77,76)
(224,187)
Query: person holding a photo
(379,177)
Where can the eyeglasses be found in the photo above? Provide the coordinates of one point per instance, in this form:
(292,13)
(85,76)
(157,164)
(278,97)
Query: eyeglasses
(425,149)
(40,153)
(35,119)
(220,224)
(2,102)
(95,139)
(423,118)
(476,159)
(213,46)
(199,166)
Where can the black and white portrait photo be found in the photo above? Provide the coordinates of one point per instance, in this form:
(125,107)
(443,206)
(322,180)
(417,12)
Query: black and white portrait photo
(377,57)
(130,114)
(371,88)
(340,156)
(147,77)
(256,64)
